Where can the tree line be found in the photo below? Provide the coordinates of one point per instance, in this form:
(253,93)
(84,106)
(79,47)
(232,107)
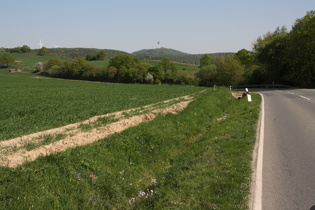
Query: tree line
(121,68)
(289,57)
(279,57)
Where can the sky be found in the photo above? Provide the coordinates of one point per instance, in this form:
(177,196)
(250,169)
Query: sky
(190,26)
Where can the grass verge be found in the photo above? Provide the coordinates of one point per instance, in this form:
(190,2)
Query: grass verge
(198,159)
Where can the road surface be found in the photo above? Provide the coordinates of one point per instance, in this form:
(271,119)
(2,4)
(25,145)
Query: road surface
(288,163)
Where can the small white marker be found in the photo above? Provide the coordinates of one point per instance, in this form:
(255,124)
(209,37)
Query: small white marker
(249,98)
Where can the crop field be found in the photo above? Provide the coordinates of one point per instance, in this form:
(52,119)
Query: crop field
(29,103)
(198,157)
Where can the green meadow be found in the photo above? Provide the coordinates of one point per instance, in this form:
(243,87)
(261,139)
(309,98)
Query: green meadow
(199,158)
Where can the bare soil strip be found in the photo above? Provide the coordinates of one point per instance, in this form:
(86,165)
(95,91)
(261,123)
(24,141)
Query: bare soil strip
(13,152)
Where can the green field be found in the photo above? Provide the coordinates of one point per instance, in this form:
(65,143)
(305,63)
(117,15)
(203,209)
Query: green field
(28,60)
(29,103)
(197,159)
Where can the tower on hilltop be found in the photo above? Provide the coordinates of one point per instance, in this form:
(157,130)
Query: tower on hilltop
(158,45)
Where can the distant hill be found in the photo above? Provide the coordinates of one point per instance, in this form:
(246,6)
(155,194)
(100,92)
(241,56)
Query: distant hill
(159,52)
(149,54)
(174,55)
(82,52)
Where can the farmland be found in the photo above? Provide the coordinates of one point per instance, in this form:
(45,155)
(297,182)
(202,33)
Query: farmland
(198,158)
(30,103)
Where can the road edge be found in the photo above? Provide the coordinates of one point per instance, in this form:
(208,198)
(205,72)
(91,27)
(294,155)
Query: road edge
(255,199)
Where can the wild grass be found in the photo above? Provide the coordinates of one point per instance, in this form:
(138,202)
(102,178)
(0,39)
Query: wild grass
(197,159)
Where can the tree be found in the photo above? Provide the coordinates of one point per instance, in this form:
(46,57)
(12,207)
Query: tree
(25,49)
(101,55)
(205,60)
(120,61)
(167,65)
(247,60)
(230,71)
(111,73)
(42,51)
(15,50)
(170,70)
(79,66)
(246,57)
(301,51)
(271,53)
(53,62)
(208,75)
(289,57)
(149,78)
(90,57)
(39,66)
(158,73)
(94,57)
(6,59)
(126,68)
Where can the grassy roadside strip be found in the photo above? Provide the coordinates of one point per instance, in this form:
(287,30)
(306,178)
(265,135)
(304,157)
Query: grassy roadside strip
(200,158)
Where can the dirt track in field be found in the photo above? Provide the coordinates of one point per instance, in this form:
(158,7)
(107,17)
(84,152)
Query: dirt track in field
(15,152)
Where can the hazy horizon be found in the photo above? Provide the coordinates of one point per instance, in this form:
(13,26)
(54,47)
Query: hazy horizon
(193,27)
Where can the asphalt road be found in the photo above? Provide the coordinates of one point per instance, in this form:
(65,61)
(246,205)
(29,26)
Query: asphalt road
(288,167)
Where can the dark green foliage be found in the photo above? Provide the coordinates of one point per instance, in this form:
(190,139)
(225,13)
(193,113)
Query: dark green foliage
(53,62)
(83,52)
(289,57)
(24,49)
(126,68)
(158,73)
(42,51)
(95,57)
(205,60)
(301,51)
(245,57)
(174,55)
(6,59)
(228,71)
(208,75)
(121,68)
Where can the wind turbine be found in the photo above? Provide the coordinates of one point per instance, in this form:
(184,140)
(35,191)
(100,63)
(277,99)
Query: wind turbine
(40,44)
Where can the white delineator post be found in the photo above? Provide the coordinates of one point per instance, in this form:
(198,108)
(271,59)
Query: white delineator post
(249,97)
